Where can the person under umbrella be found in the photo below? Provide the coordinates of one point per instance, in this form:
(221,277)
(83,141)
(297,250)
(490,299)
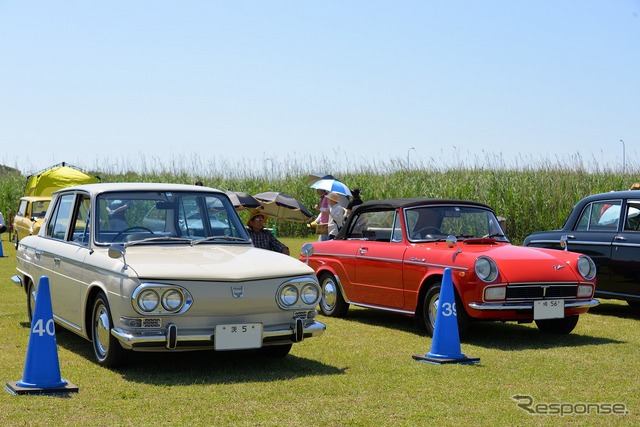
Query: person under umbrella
(261,237)
(336,215)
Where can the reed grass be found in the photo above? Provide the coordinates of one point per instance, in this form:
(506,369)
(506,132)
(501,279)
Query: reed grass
(532,194)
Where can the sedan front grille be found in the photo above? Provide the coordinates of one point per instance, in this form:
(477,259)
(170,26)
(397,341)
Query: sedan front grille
(540,291)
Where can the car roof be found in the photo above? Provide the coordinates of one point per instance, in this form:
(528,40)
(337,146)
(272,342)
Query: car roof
(35,198)
(411,202)
(624,194)
(137,186)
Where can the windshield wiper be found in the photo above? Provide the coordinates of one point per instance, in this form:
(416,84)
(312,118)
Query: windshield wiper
(227,238)
(158,239)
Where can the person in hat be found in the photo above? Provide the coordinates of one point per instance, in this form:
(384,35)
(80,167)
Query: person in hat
(355,200)
(323,216)
(261,237)
(336,214)
(116,212)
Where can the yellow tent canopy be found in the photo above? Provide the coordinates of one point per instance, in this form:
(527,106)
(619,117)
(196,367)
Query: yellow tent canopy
(62,175)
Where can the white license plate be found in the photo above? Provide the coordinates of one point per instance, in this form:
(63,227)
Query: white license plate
(548,309)
(238,336)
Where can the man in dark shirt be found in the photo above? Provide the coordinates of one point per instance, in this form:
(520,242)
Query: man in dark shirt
(262,238)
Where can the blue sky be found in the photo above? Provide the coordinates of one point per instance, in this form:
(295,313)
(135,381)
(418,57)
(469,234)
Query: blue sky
(506,82)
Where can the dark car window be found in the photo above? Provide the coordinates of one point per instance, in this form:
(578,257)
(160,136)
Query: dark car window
(600,216)
(632,216)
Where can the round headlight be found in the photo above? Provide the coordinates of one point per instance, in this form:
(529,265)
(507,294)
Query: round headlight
(289,295)
(148,300)
(586,267)
(309,294)
(172,300)
(486,269)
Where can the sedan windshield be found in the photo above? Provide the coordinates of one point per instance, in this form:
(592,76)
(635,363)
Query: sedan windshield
(126,217)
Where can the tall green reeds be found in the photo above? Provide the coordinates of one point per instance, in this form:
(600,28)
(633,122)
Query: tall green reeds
(532,195)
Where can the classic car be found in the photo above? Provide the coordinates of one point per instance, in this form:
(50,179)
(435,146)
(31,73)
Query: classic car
(37,195)
(180,285)
(606,227)
(391,255)
(29,216)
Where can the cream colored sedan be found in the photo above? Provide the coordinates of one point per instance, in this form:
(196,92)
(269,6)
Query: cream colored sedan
(129,271)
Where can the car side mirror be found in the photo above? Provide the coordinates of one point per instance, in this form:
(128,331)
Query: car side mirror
(564,242)
(117,252)
(307,251)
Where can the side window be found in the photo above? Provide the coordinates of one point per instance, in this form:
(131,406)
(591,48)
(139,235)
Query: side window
(600,216)
(396,233)
(22,208)
(376,225)
(61,217)
(632,216)
(80,229)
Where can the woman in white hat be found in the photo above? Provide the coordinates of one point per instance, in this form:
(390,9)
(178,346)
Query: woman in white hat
(336,215)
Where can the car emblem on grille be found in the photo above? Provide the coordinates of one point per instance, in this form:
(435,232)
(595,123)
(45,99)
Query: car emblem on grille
(558,267)
(237,291)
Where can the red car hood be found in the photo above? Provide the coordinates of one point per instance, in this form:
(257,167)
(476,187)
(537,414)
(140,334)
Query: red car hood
(525,264)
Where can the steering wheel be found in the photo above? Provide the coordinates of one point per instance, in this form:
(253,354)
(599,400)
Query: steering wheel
(425,231)
(126,230)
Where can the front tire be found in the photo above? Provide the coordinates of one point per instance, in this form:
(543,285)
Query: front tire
(31,300)
(558,326)
(430,305)
(106,348)
(332,304)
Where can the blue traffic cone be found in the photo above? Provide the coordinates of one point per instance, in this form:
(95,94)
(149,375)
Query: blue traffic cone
(445,346)
(42,367)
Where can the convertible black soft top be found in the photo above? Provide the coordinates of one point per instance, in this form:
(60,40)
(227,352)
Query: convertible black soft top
(393,204)
(411,202)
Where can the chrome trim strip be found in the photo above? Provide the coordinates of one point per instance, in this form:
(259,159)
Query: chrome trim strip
(528,306)
(571,242)
(395,310)
(130,341)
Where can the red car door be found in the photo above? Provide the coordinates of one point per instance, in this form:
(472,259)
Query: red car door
(379,269)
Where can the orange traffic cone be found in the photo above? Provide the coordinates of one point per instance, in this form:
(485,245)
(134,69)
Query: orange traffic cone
(42,367)
(445,346)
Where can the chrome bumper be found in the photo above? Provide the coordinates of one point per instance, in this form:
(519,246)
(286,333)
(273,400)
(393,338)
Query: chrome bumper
(172,339)
(529,306)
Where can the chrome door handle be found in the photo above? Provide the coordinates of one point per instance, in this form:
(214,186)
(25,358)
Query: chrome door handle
(56,262)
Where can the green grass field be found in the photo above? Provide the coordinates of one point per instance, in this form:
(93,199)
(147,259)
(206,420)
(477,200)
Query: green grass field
(359,373)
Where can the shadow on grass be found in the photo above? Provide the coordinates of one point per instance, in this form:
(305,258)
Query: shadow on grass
(201,367)
(617,309)
(509,336)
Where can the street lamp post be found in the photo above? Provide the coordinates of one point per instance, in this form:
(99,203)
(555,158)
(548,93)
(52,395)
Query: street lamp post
(409,151)
(623,157)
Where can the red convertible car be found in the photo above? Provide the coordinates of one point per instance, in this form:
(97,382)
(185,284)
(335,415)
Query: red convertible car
(391,254)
